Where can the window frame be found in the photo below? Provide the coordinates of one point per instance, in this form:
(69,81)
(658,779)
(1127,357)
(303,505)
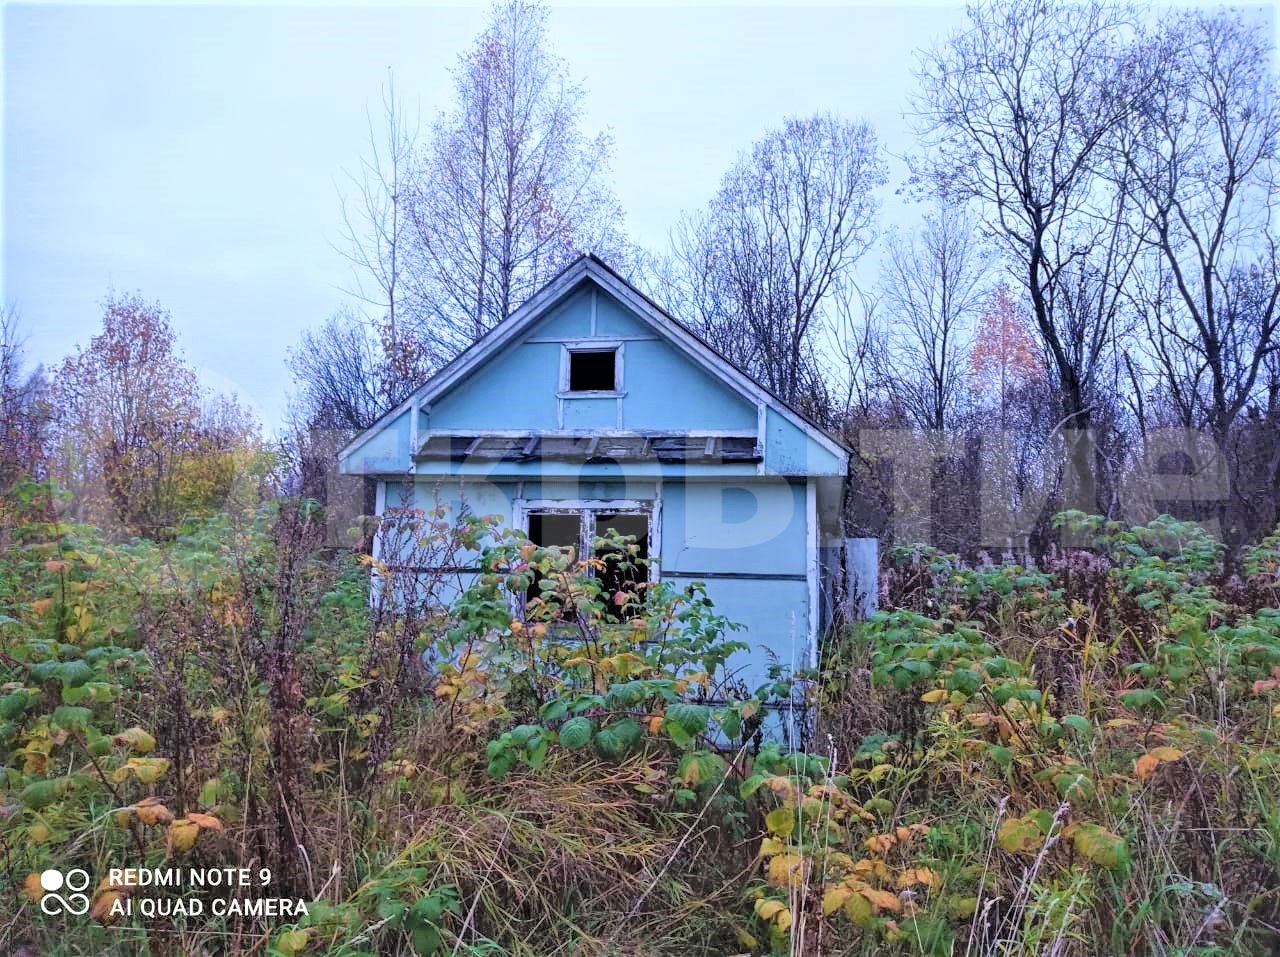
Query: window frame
(568,349)
(587,510)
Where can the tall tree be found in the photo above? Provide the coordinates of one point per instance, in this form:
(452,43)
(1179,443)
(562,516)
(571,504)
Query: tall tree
(758,271)
(509,188)
(934,287)
(1016,112)
(1203,151)
(375,230)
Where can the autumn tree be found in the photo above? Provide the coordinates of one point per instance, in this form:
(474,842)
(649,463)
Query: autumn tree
(758,272)
(24,407)
(140,441)
(1005,354)
(509,188)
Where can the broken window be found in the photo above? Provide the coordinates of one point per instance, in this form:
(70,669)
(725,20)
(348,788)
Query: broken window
(554,529)
(593,371)
(624,566)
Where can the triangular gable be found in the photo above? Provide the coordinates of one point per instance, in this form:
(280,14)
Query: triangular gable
(545,301)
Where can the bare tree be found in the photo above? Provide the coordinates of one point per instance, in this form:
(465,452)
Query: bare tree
(509,188)
(1203,151)
(1205,162)
(375,226)
(759,269)
(339,372)
(934,286)
(1016,112)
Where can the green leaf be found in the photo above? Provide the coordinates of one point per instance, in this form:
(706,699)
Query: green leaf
(40,794)
(576,732)
(750,785)
(628,731)
(1079,724)
(691,717)
(730,723)
(965,680)
(700,768)
(74,673)
(71,718)
(553,710)
(1020,835)
(12,705)
(608,745)
(1143,699)
(781,821)
(1101,846)
(426,941)
(1000,754)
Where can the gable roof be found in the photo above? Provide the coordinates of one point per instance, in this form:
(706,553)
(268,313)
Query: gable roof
(590,266)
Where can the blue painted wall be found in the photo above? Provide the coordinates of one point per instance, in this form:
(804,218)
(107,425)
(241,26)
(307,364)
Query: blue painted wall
(754,527)
(742,528)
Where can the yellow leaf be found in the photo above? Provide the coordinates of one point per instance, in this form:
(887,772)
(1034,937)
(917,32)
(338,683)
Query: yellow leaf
(834,899)
(183,834)
(881,900)
(872,867)
(783,787)
(879,771)
(151,812)
(880,843)
(770,846)
(205,821)
(783,920)
(1168,754)
(917,875)
(781,821)
(858,909)
(775,912)
(102,904)
(293,941)
(786,870)
(934,696)
(1145,766)
(136,739)
(32,887)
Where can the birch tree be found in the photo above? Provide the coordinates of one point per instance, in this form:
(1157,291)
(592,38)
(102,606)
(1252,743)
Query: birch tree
(509,188)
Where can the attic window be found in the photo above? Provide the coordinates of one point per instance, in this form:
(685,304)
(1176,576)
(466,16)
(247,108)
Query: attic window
(593,370)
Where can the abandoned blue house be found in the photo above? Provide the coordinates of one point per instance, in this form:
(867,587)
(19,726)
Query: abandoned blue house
(591,408)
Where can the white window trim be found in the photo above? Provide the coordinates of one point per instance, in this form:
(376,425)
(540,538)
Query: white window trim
(587,509)
(616,346)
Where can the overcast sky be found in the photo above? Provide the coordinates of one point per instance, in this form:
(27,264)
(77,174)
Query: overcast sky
(196,154)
